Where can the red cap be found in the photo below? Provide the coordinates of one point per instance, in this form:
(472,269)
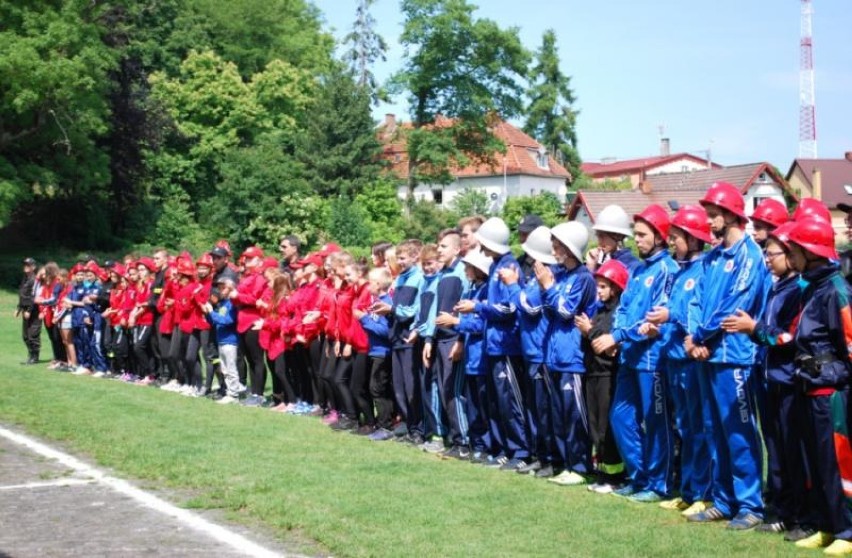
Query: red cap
(252,252)
(328,249)
(76,268)
(615,271)
(148,263)
(312,259)
(119,270)
(269,263)
(185,267)
(224,245)
(205,260)
(657,217)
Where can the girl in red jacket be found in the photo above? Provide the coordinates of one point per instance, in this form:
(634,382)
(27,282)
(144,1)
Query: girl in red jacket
(276,336)
(247,297)
(308,337)
(141,319)
(343,350)
(359,383)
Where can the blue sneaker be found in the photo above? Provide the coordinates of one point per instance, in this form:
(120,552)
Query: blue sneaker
(380,435)
(744,521)
(709,515)
(625,491)
(645,497)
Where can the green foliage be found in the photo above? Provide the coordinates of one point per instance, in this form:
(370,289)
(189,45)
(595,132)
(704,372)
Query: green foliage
(585,182)
(551,118)
(425,220)
(471,201)
(337,144)
(54,71)
(546,205)
(348,224)
(263,196)
(465,69)
(176,226)
(384,210)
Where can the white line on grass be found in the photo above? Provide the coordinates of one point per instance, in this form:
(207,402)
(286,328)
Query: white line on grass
(48,484)
(221,534)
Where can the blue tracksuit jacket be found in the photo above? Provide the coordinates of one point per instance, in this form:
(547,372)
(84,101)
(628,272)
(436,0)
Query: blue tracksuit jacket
(650,285)
(534,323)
(378,331)
(224,319)
(775,330)
(625,256)
(452,284)
(406,304)
(683,289)
(472,327)
(572,294)
(502,337)
(425,322)
(734,278)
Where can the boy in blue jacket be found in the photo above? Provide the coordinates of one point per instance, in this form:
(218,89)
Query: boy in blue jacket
(503,362)
(222,315)
(640,416)
(378,335)
(568,293)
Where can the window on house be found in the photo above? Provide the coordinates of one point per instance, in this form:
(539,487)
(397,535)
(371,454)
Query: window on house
(438,196)
(541,158)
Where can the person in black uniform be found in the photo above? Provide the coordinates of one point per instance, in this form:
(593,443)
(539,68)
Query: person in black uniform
(28,312)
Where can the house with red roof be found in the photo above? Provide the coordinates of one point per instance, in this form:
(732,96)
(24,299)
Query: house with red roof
(828,180)
(526,169)
(756,181)
(637,170)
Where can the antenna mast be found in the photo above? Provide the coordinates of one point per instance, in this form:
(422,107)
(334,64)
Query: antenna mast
(807,113)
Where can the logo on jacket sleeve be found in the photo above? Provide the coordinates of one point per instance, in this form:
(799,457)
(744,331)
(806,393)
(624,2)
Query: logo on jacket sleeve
(729,266)
(649,281)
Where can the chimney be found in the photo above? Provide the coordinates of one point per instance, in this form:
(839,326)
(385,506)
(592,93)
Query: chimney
(848,156)
(816,184)
(665,151)
(390,122)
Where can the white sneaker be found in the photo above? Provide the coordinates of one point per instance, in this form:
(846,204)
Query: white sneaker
(172,385)
(604,488)
(186,390)
(568,478)
(99,374)
(228,399)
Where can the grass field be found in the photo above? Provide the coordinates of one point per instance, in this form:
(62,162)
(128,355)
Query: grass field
(353,497)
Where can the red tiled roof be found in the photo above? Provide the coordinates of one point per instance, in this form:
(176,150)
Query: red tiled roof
(631,166)
(684,188)
(836,175)
(520,156)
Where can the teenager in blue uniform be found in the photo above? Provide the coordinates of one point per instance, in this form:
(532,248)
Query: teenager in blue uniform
(440,340)
(612,227)
(503,361)
(424,326)
(823,340)
(734,279)
(783,431)
(568,292)
(640,417)
(534,324)
(688,234)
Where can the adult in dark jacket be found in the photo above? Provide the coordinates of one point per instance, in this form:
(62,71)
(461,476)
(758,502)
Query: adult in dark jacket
(28,312)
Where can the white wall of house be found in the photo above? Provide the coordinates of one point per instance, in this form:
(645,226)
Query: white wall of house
(678,165)
(497,188)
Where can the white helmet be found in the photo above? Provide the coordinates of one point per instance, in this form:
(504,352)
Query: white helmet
(613,219)
(478,260)
(494,235)
(574,235)
(538,245)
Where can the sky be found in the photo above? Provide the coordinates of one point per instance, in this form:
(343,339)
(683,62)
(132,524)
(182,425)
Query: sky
(720,75)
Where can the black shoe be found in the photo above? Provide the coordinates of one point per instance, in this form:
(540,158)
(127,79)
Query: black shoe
(415,439)
(30,361)
(798,533)
(545,472)
(451,453)
(344,423)
(529,468)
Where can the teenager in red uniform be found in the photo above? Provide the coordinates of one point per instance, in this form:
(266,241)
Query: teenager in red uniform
(202,333)
(118,350)
(276,336)
(47,298)
(185,351)
(247,295)
(308,335)
(141,320)
(328,357)
(359,384)
(172,372)
(343,300)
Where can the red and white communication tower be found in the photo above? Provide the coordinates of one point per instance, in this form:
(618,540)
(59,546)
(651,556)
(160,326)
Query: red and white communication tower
(807,104)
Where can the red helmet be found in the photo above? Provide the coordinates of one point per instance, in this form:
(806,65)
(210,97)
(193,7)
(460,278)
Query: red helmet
(810,208)
(782,233)
(119,269)
(252,252)
(185,267)
(693,220)
(727,196)
(205,260)
(615,271)
(147,263)
(770,211)
(657,217)
(224,245)
(815,236)
(269,263)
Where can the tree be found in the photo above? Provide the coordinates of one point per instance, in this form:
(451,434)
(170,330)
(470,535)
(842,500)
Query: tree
(366,46)
(54,71)
(551,118)
(338,145)
(384,210)
(471,201)
(546,205)
(464,69)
